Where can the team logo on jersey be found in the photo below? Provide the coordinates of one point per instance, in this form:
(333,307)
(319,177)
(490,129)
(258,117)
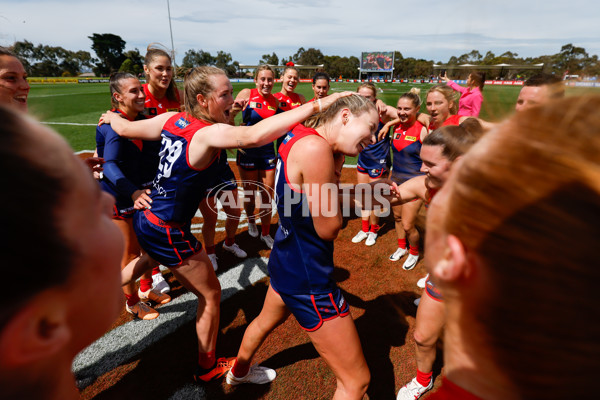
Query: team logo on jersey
(255,104)
(283,104)
(182,123)
(288,137)
(151,111)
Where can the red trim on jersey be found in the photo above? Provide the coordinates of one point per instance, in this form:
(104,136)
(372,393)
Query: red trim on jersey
(299,132)
(401,135)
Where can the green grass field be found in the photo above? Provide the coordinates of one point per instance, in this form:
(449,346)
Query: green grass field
(73,109)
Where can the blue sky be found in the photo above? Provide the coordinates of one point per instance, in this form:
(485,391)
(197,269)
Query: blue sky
(434,30)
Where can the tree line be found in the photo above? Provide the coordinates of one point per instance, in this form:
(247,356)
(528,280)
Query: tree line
(43,60)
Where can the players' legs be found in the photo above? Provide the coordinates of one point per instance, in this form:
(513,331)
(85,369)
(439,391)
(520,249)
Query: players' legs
(429,325)
(338,343)
(273,313)
(267,178)
(197,275)
(131,255)
(233,210)
(373,220)
(132,252)
(248,184)
(408,216)
(208,208)
(365,215)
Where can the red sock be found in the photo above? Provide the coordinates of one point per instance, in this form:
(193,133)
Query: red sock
(423,378)
(266,229)
(145,284)
(132,299)
(414,250)
(365,225)
(229,241)
(207,360)
(374,228)
(210,249)
(402,243)
(240,370)
(156,270)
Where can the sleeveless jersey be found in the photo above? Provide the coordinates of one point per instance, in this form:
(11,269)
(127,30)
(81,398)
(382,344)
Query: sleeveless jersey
(300,262)
(452,120)
(257,109)
(154,106)
(288,102)
(178,187)
(376,155)
(406,147)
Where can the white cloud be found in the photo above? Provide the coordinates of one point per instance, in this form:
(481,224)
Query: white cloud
(432,30)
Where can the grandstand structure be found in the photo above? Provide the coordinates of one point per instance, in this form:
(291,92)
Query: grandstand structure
(502,69)
(282,67)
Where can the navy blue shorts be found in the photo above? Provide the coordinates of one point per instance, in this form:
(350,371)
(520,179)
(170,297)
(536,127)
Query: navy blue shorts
(311,310)
(252,163)
(166,242)
(373,173)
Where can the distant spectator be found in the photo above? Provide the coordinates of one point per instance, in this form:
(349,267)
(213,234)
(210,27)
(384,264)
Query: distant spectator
(471,97)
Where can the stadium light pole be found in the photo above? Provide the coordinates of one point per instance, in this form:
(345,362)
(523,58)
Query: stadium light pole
(172,45)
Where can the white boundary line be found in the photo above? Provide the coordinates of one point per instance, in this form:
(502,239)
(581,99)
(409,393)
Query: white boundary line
(69,123)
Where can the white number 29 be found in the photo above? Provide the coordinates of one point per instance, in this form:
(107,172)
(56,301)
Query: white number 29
(169,153)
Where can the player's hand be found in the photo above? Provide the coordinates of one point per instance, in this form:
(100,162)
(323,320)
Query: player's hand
(240,104)
(141,199)
(332,98)
(108,116)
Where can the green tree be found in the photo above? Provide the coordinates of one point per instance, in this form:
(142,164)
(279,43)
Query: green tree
(42,60)
(127,66)
(571,58)
(196,58)
(469,58)
(346,67)
(271,59)
(137,61)
(109,49)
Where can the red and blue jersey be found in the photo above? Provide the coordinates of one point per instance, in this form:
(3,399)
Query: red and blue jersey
(178,187)
(300,262)
(452,120)
(154,106)
(288,102)
(257,109)
(376,155)
(406,147)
